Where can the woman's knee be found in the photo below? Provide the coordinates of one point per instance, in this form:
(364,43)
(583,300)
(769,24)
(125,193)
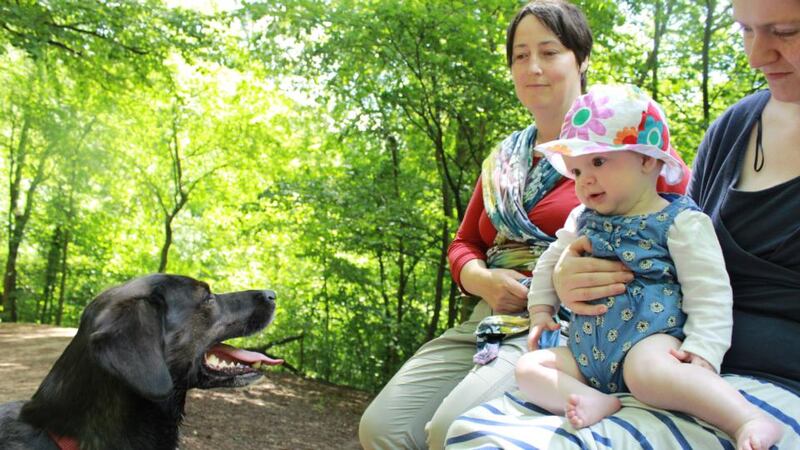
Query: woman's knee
(380,429)
(436,429)
(377,430)
(369,428)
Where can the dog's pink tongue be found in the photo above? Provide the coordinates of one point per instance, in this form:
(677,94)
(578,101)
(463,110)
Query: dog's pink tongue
(243,355)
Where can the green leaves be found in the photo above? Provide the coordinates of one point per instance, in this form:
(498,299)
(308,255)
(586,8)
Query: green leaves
(326,150)
(110,41)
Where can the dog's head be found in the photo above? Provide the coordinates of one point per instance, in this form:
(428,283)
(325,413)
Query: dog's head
(163,333)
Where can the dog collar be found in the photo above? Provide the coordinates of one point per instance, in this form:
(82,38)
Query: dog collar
(64,442)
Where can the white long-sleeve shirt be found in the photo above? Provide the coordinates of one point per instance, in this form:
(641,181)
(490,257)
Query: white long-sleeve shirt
(695,250)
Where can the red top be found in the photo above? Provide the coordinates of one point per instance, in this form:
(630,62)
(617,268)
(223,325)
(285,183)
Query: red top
(476,233)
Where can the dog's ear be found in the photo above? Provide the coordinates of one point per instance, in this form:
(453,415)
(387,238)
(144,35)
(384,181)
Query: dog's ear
(127,340)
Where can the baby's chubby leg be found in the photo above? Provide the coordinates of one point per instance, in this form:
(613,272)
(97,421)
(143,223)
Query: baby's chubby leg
(551,379)
(656,377)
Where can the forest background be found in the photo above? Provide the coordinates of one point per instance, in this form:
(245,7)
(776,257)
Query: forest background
(323,149)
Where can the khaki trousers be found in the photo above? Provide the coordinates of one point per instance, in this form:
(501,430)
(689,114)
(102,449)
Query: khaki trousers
(436,385)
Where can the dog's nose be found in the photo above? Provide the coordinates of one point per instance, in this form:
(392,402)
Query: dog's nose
(270,295)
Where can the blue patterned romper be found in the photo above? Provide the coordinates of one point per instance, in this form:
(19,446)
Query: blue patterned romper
(652,302)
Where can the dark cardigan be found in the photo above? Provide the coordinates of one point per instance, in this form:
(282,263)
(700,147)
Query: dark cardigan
(765,273)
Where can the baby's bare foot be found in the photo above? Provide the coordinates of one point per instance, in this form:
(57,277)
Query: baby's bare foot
(586,410)
(759,433)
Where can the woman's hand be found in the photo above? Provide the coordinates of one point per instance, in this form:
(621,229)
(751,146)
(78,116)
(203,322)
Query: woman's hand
(540,321)
(578,279)
(500,288)
(691,358)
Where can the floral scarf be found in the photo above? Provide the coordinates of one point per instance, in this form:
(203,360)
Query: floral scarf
(510,190)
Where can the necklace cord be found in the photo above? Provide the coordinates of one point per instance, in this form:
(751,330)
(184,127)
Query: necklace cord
(758,162)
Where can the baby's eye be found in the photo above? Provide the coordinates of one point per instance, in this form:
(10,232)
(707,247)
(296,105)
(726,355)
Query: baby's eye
(576,172)
(597,162)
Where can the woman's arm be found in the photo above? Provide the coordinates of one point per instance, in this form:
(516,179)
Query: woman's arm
(578,279)
(468,244)
(500,288)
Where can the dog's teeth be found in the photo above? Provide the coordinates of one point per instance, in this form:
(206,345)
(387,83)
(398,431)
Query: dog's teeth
(256,365)
(223,364)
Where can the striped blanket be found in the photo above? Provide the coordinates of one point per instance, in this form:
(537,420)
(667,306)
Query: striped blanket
(510,422)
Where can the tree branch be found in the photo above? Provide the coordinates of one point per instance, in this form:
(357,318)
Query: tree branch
(97,35)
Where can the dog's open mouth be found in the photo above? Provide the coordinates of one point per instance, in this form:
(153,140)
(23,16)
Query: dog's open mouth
(226,361)
(231,360)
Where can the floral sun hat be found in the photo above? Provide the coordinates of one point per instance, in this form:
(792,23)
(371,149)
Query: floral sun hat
(614,118)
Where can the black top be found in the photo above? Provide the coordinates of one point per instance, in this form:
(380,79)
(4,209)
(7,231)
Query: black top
(774,239)
(760,237)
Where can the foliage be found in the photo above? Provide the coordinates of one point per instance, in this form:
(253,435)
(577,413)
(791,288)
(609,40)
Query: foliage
(326,150)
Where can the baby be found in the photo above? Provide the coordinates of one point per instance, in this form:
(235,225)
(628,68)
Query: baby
(663,339)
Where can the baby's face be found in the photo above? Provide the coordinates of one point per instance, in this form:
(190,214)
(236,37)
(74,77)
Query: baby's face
(611,183)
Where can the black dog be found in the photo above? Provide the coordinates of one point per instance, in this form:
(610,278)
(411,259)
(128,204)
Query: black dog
(121,383)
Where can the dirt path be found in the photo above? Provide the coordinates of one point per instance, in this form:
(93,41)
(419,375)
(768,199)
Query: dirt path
(281,411)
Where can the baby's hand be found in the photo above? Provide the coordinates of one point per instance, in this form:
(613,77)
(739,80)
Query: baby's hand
(691,358)
(540,321)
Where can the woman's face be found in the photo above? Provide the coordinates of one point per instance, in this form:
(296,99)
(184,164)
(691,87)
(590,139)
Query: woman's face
(545,72)
(771,32)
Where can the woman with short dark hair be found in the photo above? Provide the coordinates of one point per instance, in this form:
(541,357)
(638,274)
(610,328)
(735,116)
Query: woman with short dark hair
(516,208)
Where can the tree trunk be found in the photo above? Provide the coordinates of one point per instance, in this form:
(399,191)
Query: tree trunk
(162,265)
(63,270)
(708,29)
(326,363)
(17,221)
(16,162)
(10,283)
(402,277)
(66,236)
(447,189)
(656,46)
(441,269)
(180,194)
(51,275)
(661,16)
